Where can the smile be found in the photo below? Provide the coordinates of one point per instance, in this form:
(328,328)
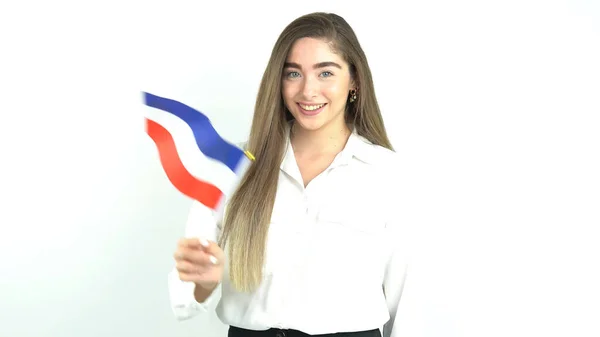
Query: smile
(311,107)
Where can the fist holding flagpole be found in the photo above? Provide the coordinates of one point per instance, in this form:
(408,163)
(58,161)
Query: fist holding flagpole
(199,261)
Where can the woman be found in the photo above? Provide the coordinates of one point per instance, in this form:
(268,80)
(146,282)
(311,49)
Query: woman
(311,240)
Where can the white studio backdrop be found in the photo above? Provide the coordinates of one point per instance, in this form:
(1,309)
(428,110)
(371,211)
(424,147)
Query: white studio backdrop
(493,105)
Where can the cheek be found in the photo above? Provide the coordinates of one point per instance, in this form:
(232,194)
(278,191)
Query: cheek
(288,92)
(335,92)
(288,95)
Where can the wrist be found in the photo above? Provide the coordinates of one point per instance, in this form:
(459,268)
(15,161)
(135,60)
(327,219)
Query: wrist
(207,286)
(203,291)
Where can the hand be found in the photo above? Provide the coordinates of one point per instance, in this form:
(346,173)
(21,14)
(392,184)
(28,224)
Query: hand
(199,261)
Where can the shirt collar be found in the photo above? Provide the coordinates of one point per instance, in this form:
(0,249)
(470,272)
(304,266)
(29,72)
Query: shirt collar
(357,147)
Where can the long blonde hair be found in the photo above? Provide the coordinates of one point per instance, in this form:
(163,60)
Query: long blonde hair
(247,218)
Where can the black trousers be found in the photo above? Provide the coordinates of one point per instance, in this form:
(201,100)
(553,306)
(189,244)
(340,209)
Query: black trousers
(239,332)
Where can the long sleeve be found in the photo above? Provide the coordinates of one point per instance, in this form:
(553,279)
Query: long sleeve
(402,283)
(404,303)
(396,274)
(200,223)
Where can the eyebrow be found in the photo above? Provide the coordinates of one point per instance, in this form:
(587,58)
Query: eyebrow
(315,66)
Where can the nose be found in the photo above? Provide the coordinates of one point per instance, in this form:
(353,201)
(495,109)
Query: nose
(311,87)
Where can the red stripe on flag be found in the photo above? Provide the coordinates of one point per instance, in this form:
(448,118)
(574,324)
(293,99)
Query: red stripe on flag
(179,176)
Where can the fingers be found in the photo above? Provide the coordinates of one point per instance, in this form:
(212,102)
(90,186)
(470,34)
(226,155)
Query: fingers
(191,273)
(198,261)
(199,251)
(203,281)
(196,266)
(195,256)
(186,267)
(213,249)
(189,243)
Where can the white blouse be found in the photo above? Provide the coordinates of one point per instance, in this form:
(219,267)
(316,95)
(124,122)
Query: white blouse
(336,257)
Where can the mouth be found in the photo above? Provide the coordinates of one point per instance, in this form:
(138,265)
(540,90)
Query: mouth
(311,109)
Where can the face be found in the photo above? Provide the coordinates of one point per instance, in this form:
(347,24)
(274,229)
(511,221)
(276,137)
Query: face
(315,85)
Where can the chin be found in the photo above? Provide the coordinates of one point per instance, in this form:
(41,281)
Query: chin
(311,126)
(308,123)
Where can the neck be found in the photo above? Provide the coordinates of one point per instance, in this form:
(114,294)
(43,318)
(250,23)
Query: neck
(329,139)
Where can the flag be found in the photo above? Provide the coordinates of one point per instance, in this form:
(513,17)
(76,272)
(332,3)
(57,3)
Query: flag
(197,161)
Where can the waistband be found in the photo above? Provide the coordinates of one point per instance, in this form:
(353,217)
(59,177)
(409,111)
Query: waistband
(273,332)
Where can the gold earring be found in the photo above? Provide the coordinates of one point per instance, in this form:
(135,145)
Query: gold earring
(352,95)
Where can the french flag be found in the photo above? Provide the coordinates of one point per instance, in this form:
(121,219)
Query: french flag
(197,161)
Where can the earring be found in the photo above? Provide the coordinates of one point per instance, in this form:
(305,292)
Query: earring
(352,95)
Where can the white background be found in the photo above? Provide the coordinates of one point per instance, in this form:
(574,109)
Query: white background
(494,106)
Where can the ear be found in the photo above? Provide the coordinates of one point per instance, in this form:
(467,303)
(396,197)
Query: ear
(353,85)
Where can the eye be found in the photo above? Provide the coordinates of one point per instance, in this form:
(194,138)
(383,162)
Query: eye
(326,74)
(292,74)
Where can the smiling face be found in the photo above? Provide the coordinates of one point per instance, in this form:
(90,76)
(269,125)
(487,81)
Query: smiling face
(315,86)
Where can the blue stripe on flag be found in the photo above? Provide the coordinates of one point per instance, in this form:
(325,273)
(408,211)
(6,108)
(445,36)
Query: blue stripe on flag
(208,140)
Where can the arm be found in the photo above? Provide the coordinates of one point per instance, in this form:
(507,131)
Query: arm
(186,300)
(396,275)
(402,283)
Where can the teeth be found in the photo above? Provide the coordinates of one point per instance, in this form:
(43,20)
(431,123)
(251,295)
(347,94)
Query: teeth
(311,107)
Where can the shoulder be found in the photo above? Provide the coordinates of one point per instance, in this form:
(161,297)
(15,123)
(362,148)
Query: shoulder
(383,165)
(386,165)
(378,156)
(382,156)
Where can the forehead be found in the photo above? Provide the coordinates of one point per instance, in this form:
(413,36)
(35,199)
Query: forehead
(308,51)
